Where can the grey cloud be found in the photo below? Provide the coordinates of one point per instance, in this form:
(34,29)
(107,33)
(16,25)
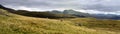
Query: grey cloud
(101,5)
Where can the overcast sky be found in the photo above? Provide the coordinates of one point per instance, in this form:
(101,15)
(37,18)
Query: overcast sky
(98,5)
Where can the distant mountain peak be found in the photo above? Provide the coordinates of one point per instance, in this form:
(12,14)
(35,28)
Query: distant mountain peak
(70,10)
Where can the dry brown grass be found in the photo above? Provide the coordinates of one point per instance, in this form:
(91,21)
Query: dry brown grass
(17,24)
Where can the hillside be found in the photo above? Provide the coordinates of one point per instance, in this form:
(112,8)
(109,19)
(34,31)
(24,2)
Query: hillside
(17,24)
(42,14)
(45,14)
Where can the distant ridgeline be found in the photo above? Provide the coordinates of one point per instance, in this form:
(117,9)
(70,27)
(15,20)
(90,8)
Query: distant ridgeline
(80,14)
(45,14)
(71,12)
(60,14)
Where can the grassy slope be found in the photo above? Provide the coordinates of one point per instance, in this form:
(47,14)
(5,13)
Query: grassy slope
(16,24)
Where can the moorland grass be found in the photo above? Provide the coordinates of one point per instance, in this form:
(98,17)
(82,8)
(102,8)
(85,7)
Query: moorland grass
(17,24)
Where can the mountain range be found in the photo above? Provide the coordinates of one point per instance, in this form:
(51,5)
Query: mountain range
(62,14)
(81,14)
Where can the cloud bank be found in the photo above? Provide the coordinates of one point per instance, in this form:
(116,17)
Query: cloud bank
(98,5)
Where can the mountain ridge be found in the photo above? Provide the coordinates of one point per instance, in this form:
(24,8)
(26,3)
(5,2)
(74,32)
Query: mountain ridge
(98,16)
(37,14)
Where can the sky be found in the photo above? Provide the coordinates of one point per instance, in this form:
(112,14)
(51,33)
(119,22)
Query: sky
(101,6)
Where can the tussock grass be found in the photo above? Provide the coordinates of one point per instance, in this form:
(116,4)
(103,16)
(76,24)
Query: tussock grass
(110,25)
(17,24)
